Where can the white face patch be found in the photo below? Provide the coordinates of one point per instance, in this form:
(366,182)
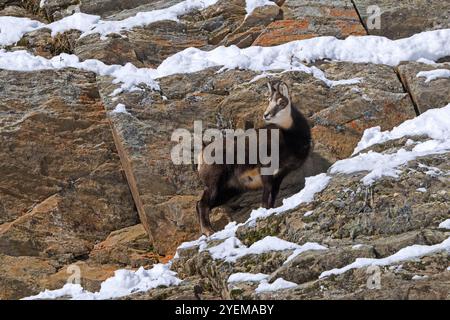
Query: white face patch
(278,111)
(282,118)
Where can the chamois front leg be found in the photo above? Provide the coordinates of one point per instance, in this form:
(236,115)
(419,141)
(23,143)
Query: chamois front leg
(271,188)
(276,183)
(267,191)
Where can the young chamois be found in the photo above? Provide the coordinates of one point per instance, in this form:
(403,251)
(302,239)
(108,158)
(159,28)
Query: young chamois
(223,181)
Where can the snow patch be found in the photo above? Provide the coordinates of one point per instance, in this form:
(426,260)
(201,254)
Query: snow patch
(426,61)
(434,74)
(445,224)
(286,57)
(247,277)
(385,165)
(128,75)
(90,24)
(359,49)
(279,284)
(433,123)
(307,214)
(313,185)
(120,108)
(305,247)
(251,5)
(123,283)
(405,254)
(432,171)
(145,18)
(12,29)
(232,248)
(78,21)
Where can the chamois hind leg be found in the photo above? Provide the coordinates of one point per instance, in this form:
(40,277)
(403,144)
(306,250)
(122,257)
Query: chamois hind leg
(204,207)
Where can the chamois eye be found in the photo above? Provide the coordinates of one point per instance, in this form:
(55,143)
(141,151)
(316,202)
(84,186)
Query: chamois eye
(282,102)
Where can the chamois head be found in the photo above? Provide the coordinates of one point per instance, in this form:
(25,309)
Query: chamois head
(279,110)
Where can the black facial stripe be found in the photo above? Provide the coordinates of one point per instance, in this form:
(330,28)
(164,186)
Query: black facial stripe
(277,109)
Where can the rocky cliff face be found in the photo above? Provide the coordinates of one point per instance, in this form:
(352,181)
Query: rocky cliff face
(84,185)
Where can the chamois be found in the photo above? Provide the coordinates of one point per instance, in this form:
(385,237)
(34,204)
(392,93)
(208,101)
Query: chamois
(223,181)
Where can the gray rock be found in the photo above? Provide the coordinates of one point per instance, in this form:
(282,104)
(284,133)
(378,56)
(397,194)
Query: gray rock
(62,186)
(426,95)
(401,19)
(303,19)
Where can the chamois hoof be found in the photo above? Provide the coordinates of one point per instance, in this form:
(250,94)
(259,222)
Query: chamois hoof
(207,231)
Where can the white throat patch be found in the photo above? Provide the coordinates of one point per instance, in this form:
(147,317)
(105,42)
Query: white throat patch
(283,118)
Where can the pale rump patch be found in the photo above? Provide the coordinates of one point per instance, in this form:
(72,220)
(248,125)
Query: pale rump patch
(251,179)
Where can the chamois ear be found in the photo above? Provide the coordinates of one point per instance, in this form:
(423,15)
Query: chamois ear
(283,89)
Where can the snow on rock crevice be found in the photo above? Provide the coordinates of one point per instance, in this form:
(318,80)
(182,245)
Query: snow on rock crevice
(14,28)
(405,254)
(247,277)
(434,123)
(279,284)
(445,224)
(128,75)
(120,108)
(90,24)
(123,283)
(434,74)
(286,57)
(358,49)
(251,5)
(262,280)
(313,185)
(232,249)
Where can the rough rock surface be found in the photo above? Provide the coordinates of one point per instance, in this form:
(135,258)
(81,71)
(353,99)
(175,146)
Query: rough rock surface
(22,276)
(426,95)
(307,19)
(62,186)
(112,9)
(17,11)
(353,221)
(401,19)
(59,164)
(224,23)
(126,247)
(19,276)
